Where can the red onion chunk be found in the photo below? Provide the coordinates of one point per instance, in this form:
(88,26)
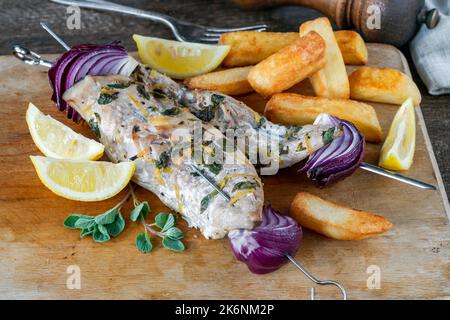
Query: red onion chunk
(87,59)
(338,159)
(264,248)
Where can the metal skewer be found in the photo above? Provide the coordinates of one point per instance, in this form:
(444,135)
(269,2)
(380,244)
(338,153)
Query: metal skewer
(30,57)
(396,176)
(211,182)
(317,281)
(33,58)
(54,35)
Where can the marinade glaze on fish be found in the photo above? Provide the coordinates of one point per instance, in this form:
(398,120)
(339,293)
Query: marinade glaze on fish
(138,123)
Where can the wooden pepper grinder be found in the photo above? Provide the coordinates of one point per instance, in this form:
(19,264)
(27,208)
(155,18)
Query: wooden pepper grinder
(387,21)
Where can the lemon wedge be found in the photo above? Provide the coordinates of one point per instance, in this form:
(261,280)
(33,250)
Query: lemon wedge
(180,59)
(397,152)
(56,140)
(83,180)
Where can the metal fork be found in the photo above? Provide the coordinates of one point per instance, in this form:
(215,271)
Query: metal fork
(183,31)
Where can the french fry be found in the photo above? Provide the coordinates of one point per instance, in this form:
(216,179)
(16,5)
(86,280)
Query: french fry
(336,221)
(332,80)
(230,81)
(251,47)
(352,46)
(289,66)
(383,85)
(296,109)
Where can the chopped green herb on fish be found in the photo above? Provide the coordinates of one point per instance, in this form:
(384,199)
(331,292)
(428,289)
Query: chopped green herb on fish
(243,185)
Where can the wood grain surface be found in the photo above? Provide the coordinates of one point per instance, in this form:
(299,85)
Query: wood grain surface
(36,249)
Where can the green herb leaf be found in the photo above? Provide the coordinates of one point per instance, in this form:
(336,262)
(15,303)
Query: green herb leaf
(171,244)
(300,147)
(94,125)
(243,185)
(164,159)
(283,149)
(174,233)
(86,231)
(207,200)
(141,210)
(118,85)
(107,217)
(170,222)
(217,99)
(159,94)
(292,131)
(116,227)
(171,112)
(214,167)
(71,220)
(142,91)
(106,98)
(328,135)
(85,222)
(143,243)
(160,219)
(261,123)
(100,233)
(208,113)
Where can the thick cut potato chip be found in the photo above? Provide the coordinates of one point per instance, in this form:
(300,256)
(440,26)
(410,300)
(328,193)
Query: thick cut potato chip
(229,81)
(251,47)
(336,221)
(383,85)
(352,46)
(296,109)
(332,80)
(289,66)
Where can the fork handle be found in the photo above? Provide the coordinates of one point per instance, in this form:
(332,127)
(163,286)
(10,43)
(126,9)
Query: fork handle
(114,7)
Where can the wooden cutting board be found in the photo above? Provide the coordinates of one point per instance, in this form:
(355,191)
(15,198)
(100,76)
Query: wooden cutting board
(36,250)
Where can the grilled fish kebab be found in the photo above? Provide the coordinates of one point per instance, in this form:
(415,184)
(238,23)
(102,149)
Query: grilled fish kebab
(146,122)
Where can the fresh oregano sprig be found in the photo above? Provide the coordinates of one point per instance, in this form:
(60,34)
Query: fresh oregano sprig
(171,236)
(102,227)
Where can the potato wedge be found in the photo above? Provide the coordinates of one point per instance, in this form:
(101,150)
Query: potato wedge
(335,221)
(251,47)
(383,85)
(289,66)
(352,46)
(229,81)
(332,80)
(296,109)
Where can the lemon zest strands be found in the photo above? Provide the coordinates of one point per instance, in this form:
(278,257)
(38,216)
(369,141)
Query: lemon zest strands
(308,145)
(138,105)
(239,195)
(177,194)
(234,175)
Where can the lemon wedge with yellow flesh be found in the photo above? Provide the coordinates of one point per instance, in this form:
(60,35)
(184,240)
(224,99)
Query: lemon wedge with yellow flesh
(83,180)
(397,152)
(56,140)
(179,59)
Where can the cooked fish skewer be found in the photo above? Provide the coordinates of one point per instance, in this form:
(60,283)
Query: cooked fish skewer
(138,124)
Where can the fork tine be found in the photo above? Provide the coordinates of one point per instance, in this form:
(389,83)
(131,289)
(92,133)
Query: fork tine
(218,34)
(208,39)
(260,27)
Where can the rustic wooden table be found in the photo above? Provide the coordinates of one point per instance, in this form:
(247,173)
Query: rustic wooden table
(20,25)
